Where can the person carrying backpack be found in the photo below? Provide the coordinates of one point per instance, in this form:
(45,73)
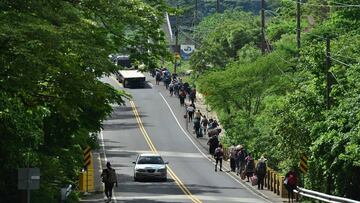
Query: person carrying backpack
(261,172)
(250,167)
(108,176)
(157,77)
(291,183)
(192,95)
(240,160)
(218,155)
(171,88)
(204,123)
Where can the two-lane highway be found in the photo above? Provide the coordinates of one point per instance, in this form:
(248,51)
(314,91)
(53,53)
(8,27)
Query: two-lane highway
(147,124)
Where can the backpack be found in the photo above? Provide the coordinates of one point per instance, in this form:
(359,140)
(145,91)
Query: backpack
(109,176)
(250,164)
(104,176)
(218,152)
(261,168)
(241,155)
(292,180)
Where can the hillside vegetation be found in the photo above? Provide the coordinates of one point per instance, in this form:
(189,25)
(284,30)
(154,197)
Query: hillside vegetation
(276,104)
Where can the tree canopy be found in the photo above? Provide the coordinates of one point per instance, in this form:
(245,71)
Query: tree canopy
(52,56)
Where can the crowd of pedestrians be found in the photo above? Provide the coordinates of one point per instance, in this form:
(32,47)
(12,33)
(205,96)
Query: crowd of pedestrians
(241,162)
(183,90)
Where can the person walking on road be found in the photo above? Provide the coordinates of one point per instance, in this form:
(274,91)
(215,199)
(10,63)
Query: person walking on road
(176,88)
(190,110)
(291,183)
(261,172)
(197,127)
(232,158)
(240,159)
(192,95)
(218,155)
(157,77)
(182,96)
(171,88)
(250,167)
(109,179)
(204,123)
(213,144)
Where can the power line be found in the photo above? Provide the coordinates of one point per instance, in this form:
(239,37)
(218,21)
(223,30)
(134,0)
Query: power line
(343,63)
(341,86)
(343,4)
(323,5)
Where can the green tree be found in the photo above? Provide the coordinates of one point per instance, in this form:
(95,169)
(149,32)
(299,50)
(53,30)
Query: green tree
(52,57)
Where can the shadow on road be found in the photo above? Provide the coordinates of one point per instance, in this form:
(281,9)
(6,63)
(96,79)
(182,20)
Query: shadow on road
(120,126)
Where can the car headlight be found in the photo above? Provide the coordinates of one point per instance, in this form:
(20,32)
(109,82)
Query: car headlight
(140,170)
(162,170)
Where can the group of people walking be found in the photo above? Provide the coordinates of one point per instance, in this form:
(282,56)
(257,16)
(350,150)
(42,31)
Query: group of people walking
(241,162)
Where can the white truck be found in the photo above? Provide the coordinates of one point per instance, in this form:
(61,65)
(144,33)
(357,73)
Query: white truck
(131,78)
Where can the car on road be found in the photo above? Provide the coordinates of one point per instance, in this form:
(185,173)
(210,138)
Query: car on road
(150,166)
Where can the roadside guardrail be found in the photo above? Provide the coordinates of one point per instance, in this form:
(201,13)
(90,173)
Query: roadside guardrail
(323,197)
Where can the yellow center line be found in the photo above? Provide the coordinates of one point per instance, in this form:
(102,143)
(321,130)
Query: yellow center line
(153,149)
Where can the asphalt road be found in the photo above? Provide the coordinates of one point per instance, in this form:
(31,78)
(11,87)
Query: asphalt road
(146,124)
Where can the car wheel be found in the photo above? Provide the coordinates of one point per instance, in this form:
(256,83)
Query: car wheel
(164,179)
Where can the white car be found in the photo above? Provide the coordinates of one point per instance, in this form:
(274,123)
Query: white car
(150,166)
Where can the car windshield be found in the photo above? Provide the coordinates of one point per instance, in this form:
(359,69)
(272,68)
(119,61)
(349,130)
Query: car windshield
(150,160)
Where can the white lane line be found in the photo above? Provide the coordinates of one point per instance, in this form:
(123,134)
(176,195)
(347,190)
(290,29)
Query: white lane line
(191,140)
(184,197)
(105,159)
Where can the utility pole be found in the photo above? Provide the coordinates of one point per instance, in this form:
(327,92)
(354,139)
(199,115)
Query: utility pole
(298,29)
(218,6)
(195,18)
(196,9)
(176,38)
(263,26)
(329,80)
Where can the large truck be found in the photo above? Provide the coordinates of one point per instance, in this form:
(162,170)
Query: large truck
(131,78)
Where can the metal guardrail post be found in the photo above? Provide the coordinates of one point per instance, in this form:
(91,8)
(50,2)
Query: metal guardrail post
(275,184)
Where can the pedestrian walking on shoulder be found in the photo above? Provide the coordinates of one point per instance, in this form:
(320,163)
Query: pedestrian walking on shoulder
(240,160)
(204,123)
(291,183)
(232,158)
(197,127)
(250,167)
(218,155)
(176,88)
(108,176)
(171,89)
(192,95)
(182,96)
(261,172)
(213,143)
(237,160)
(190,110)
(157,77)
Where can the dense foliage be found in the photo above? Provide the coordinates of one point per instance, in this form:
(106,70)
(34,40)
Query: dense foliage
(52,56)
(275,104)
